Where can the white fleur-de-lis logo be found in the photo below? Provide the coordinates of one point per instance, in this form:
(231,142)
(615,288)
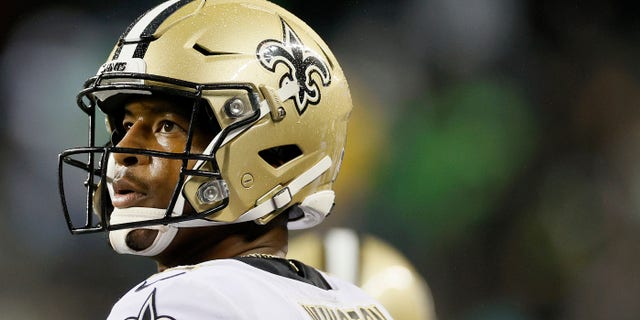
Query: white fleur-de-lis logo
(301,63)
(148,310)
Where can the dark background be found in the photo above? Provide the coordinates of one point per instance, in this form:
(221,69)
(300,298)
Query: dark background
(495,143)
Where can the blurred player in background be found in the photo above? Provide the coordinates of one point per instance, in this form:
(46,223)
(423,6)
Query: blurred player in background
(227,123)
(374,265)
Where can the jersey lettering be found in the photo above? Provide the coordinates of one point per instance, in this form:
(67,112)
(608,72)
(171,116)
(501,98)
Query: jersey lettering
(317,312)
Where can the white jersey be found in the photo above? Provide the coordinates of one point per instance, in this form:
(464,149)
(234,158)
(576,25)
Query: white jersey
(233,289)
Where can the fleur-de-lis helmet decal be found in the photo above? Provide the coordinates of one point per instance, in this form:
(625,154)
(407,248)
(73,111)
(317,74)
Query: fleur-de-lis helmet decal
(301,62)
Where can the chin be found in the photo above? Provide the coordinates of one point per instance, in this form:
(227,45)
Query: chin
(141,239)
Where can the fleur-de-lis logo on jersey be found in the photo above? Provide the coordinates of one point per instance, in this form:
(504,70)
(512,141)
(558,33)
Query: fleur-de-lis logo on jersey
(301,62)
(148,310)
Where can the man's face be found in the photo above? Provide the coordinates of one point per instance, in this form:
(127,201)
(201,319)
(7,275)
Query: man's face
(145,181)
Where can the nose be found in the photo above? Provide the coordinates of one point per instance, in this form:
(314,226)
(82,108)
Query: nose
(134,138)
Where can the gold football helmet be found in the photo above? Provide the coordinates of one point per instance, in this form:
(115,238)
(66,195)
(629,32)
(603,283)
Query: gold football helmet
(270,86)
(374,265)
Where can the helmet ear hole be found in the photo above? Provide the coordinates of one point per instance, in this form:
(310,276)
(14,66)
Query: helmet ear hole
(280,155)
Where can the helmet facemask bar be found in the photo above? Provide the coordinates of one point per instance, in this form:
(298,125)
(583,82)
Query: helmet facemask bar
(92,171)
(98,201)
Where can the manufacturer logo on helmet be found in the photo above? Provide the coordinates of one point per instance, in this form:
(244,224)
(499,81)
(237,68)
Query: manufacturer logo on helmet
(301,62)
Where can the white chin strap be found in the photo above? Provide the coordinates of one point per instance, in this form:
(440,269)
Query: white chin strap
(164,236)
(118,238)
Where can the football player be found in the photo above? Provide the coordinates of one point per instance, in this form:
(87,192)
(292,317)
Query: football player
(371,263)
(227,123)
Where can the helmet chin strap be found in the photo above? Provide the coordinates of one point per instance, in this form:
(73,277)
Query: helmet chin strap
(164,236)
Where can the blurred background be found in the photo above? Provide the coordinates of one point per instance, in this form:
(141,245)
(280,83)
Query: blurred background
(494,143)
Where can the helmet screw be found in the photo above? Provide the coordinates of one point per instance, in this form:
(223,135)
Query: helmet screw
(247,180)
(211,192)
(235,108)
(281,112)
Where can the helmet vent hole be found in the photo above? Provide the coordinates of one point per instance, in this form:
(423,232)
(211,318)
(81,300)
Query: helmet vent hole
(206,52)
(281,155)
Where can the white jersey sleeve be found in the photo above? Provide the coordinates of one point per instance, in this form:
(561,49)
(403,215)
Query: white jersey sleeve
(231,289)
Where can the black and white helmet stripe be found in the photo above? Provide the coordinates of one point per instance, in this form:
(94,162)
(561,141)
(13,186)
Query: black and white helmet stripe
(135,40)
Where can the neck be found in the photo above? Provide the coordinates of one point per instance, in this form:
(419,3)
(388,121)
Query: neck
(195,245)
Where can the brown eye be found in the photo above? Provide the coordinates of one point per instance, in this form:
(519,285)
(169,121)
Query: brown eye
(127,126)
(167,126)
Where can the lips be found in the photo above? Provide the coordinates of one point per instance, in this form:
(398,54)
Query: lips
(127,193)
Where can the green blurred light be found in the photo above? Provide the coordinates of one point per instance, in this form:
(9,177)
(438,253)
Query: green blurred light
(455,154)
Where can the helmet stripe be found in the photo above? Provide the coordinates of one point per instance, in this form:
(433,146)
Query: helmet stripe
(135,41)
